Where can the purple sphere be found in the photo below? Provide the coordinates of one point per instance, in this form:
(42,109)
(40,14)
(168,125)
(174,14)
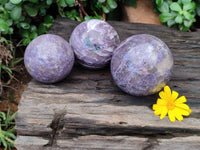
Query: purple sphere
(141,65)
(93,42)
(49,58)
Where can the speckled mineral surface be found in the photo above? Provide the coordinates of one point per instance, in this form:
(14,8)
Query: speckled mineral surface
(49,58)
(93,42)
(141,65)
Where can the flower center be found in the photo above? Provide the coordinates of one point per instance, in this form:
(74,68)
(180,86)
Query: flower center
(170,105)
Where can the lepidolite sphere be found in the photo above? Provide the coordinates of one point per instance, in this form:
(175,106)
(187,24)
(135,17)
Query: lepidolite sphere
(141,65)
(49,58)
(93,42)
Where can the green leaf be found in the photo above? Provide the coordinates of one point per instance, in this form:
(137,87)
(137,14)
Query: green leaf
(10,135)
(4,16)
(101,1)
(185,1)
(175,7)
(31,10)
(187,23)
(130,3)
(6,69)
(62,3)
(42,29)
(72,14)
(2,115)
(4,2)
(22,18)
(9,6)
(183,28)
(24,25)
(198,9)
(6,42)
(33,28)
(112,4)
(9,22)
(1,8)
(2,139)
(164,17)
(48,19)
(164,7)
(42,11)
(49,2)
(70,2)
(33,35)
(15,2)
(10,31)
(159,3)
(87,18)
(79,19)
(24,33)
(171,22)
(179,19)
(189,6)
(188,16)
(105,9)
(16,13)
(3,26)
(26,41)
(169,2)
(33,1)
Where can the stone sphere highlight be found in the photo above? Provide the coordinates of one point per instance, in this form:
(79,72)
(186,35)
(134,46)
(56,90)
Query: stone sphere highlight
(48,58)
(93,42)
(142,65)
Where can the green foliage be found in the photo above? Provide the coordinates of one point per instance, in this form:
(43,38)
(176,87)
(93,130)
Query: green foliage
(130,3)
(197,7)
(180,13)
(7,129)
(31,18)
(8,59)
(21,16)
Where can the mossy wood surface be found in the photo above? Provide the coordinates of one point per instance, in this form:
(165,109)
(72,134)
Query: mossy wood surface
(86,111)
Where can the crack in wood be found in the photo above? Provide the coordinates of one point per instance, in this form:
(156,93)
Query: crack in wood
(56,125)
(152,142)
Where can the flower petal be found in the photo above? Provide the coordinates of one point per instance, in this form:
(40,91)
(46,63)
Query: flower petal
(180,100)
(178,114)
(162,95)
(184,112)
(164,112)
(174,95)
(155,106)
(157,112)
(171,116)
(167,91)
(157,109)
(161,102)
(183,106)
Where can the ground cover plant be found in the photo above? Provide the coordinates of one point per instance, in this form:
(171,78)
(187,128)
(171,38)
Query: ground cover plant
(179,13)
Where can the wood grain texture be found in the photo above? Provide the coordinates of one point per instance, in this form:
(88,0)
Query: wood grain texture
(88,111)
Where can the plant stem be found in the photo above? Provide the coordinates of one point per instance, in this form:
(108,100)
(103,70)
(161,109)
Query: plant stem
(80,4)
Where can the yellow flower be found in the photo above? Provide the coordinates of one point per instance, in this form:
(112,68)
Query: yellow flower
(169,104)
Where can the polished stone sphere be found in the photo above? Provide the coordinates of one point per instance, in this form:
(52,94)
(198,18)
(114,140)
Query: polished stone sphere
(49,58)
(141,65)
(93,42)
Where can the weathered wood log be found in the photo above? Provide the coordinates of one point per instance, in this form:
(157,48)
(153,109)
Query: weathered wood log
(87,111)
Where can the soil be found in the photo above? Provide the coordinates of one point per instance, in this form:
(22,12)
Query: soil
(12,93)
